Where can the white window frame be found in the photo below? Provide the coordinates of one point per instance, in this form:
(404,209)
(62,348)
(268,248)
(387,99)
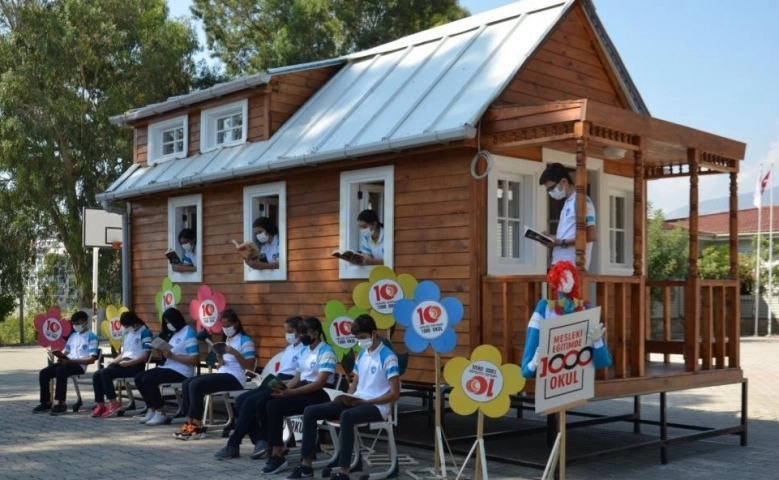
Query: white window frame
(350,209)
(209,117)
(533,258)
(154,145)
(173,232)
(616,186)
(249,195)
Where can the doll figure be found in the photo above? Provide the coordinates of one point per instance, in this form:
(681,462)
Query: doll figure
(565,281)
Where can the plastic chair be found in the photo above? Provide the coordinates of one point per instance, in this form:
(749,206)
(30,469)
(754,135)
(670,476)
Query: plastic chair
(75,379)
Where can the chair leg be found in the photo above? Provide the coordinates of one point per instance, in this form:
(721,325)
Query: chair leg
(79,402)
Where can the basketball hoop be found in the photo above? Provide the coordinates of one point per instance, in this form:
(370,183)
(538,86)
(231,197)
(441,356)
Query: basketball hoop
(116,245)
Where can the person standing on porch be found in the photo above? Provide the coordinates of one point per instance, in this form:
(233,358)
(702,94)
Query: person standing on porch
(559,185)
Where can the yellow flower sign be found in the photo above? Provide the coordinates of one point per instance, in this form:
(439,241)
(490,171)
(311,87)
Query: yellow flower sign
(481,382)
(110,328)
(380,293)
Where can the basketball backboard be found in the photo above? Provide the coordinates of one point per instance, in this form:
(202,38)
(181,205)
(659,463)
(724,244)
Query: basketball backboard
(101,228)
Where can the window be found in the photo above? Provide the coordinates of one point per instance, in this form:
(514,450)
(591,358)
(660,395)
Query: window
(512,199)
(186,212)
(223,126)
(618,230)
(269,201)
(370,189)
(167,140)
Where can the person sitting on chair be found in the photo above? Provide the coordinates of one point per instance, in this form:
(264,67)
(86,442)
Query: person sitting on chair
(375,387)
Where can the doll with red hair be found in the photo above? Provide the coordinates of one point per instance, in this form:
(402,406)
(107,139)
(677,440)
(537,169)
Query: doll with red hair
(566,298)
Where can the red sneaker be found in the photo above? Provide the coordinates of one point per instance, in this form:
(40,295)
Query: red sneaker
(98,411)
(112,409)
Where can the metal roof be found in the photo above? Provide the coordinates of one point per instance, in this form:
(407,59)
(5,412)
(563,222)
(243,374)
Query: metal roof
(430,87)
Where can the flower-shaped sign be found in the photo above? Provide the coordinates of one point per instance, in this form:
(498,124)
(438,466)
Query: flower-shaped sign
(338,327)
(207,308)
(481,382)
(111,328)
(52,330)
(380,293)
(168,297)
(428,319)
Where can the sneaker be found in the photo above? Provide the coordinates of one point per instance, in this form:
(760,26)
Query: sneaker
(98,411)
(301,471)
(149,415)
(43,407)
(274,464)
(112,409)
(184,432)
(157,418)
(260,449)
(59,409)
(227,452)
(198,433)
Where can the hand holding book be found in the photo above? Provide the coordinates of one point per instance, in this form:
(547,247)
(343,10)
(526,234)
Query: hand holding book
(350,256)
(539,237)
(247,250)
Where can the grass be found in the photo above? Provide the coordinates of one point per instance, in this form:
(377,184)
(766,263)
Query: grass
(9,331)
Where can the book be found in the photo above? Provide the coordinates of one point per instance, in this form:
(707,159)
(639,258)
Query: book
(173,257)
(219,348)
(538,237)
(333,393)
(58,354)
(271,383)
(160,344)
(350,256)
(248,250)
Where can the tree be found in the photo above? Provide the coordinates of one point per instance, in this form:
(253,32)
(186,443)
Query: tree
(68,66)
(250,36)
(17,247)
(667,249)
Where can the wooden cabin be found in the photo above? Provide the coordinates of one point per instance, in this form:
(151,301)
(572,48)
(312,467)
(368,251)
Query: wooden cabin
(444,134)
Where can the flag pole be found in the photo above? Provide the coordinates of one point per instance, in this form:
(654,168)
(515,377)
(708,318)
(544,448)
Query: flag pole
(758,202)
(770,248)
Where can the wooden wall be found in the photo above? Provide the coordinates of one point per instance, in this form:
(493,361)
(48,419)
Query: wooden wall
(433,214)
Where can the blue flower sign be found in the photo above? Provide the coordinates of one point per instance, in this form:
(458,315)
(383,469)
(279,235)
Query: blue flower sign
(429,319)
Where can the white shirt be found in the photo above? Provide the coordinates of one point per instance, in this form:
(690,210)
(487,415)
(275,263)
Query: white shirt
(289,360)
(566,230)
(320,359)
(189,258)
(374,249)
(82,345)
(270,250)
(244,344)
(374,369)
(183,342)
(136,342)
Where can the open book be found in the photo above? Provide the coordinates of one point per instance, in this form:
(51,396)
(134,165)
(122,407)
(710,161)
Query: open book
(350,256)
(160,344)
(248,250)
(219,348)
(333,393)
(58,354)
(173,257)
(271,382)
(538,237)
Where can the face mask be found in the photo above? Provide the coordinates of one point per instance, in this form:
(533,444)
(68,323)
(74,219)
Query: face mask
(291,338)
(187,247)
(229,331)
(557,193)
(365,343)
(366,232)
(261,237)
(306,340)
(170,327)
(79,328)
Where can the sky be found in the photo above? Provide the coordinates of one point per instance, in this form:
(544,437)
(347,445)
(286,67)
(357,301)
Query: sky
(712,65)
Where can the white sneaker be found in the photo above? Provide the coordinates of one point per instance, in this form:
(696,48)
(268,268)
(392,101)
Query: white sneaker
(158,419)
(149,416)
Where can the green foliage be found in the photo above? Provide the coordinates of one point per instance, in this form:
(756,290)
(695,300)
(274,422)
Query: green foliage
(9,330)
(69,65)
(251,36)
(714,263)
(667,249)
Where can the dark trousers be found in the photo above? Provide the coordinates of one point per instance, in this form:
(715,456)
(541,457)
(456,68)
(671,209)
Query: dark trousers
(61,373)
(196,388)
(348,416)
(103,380)
(272,423)
(148,385)
(248,422)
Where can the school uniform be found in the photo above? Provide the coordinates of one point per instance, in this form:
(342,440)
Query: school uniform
(135,344)
(373,248)
(183,342)
(269,251)
(78,347)
(566,229)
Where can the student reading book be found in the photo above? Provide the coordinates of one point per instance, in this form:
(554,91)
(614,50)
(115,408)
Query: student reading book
(350,256)
(58,354)
(159,344)
(538,236)
(220,348)
(247,250)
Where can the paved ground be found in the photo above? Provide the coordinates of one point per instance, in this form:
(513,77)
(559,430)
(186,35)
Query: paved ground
(75,446)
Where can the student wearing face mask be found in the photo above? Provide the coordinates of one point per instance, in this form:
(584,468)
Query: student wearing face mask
(81,350)
(316,366)
(376,385)
(266,237)
(189,262)
(559,185)
(179,365)
(136,347)
(248,403)
(371,238)
(230,375)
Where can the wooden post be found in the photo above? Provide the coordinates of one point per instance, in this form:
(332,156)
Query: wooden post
(638,297)
(691,293)
(477,472)
(581,198)
(438,405)
(734,313)
(563,441)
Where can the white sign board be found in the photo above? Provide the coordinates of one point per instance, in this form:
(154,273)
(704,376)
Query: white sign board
(565,373)
(101,228)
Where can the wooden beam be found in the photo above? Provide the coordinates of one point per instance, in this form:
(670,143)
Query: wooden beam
(504,112)
(581,199)
(734,311)
(477,292)
(691,299)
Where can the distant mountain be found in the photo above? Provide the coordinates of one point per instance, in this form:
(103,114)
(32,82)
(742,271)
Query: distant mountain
(719,205)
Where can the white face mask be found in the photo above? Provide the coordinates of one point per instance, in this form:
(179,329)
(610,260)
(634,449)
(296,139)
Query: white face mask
(187,247)
(170,327)
(229,331)
(566,283)
(80,328)
(125,330)
(365,343)
(261,237)
(557,193)
(291,338)
(366,232)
